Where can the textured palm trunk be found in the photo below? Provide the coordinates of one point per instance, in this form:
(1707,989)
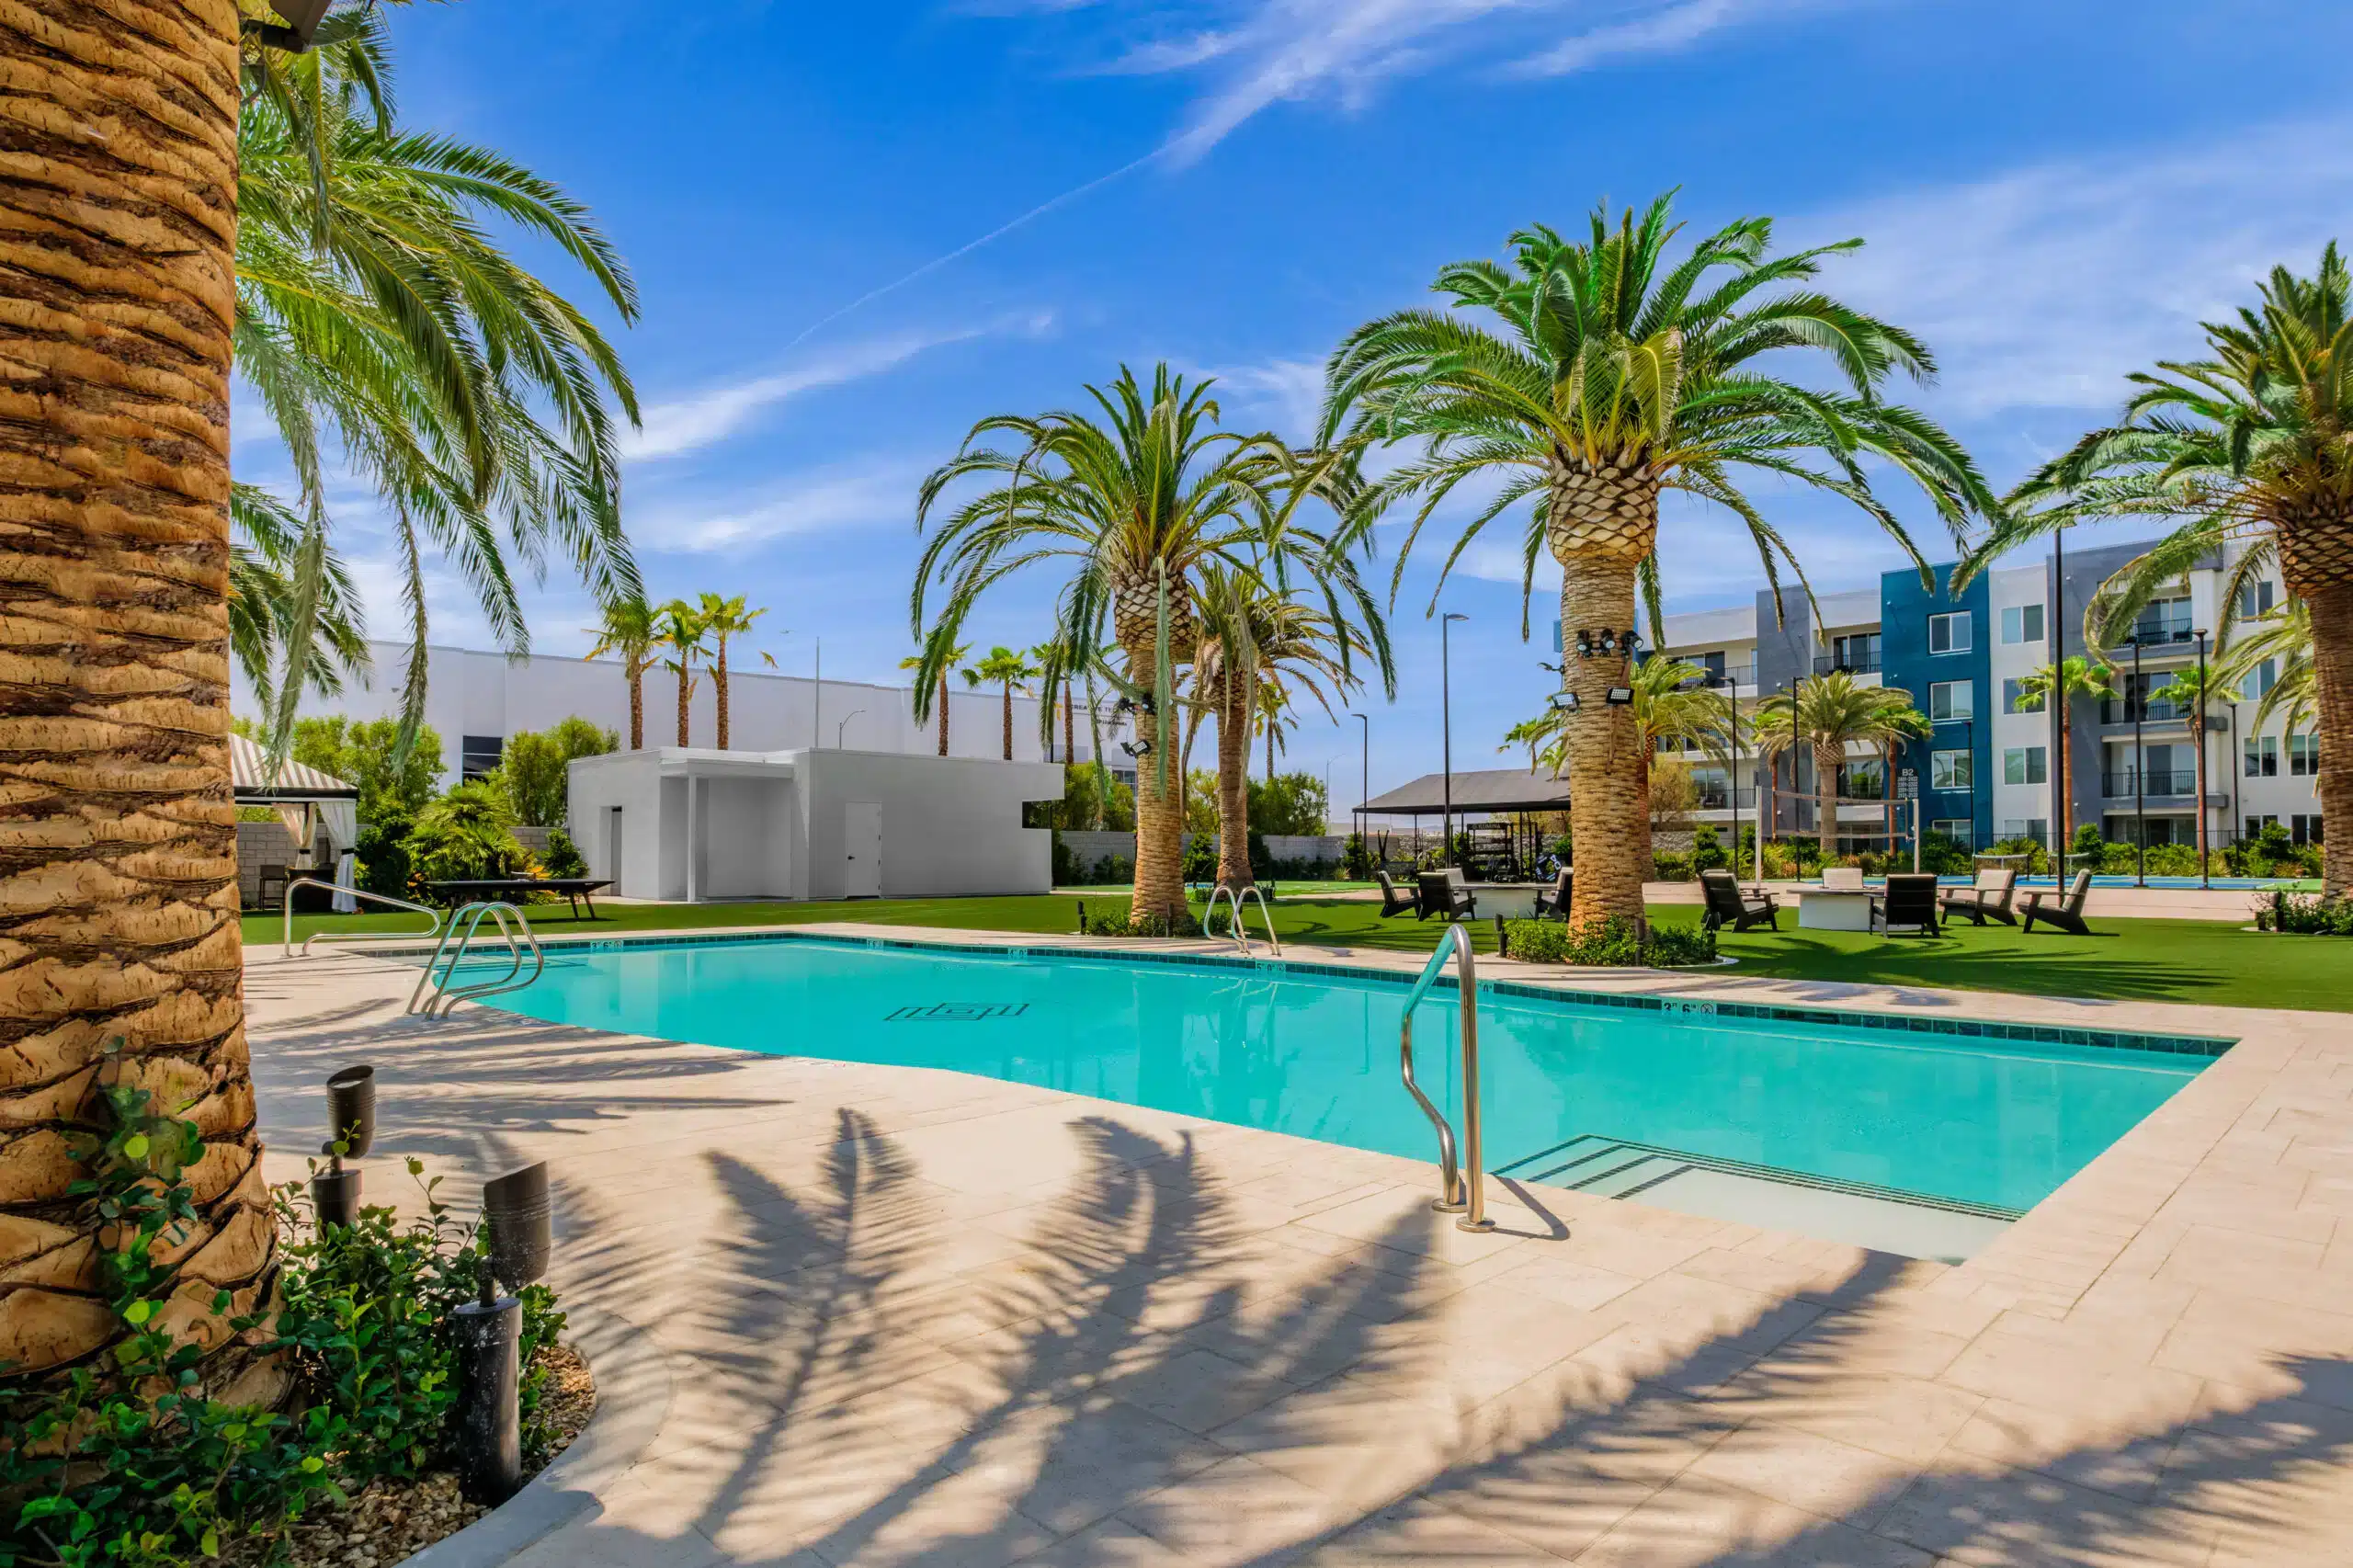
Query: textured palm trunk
(1601,525)
(1646,752)
(1235,705)
(636,708)
(943,713)
(719,690)
(1825,798)
(1160,818)
(1069,730)
(118,847)
(686,690)
(2331,609)
(1009,720)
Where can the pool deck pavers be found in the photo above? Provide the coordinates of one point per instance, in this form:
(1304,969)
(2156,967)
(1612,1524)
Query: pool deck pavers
(916,1317)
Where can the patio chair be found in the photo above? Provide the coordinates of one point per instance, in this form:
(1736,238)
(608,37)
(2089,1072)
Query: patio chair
(1842,879)
(1989,898)
(1557,901)
(269,888)
(1727,905)
(1393,902)
(1445,892)
(1910,901)
(2066,913)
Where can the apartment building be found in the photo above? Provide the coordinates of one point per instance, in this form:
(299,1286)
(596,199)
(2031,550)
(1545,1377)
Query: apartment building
(1987,773)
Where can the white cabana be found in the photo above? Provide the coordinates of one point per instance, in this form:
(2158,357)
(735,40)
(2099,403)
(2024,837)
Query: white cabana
(313,806)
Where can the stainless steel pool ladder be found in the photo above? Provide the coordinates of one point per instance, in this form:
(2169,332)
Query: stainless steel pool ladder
(438,993)
(1461,1192)
(286,945)
(1241,932)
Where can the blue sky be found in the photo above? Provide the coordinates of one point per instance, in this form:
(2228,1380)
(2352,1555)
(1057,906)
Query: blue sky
(2053,195)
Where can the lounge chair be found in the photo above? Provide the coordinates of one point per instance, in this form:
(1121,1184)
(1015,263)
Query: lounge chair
(1842,879)
(1727,905)
(1910,901)
(2066,913)
(1988,899)
(1391,901)
(1445,892)
(1557,901)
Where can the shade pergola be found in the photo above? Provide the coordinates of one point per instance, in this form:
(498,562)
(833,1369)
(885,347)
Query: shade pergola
(1486,790)
(306,800)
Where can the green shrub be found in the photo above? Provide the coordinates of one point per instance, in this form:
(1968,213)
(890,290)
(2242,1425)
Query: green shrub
(1669,866)
(1947,856)
(1288,803)
(1672,945)
(533,771)
(2038,858)
(1118,922)
(2311,914)
(382,854)
(468,834)
(1200,858)
(564,858)
(1707,849)
(1614,943)
(1355,859)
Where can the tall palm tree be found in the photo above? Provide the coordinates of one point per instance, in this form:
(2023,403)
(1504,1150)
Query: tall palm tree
(630,629)
(1055,664)
(117,234)
(682,629)
(2076,676)
(1134,499)
(1010,669)
(1618,375)
(722,619)
(378,315)
(2251,443)
(2284,637)
(1827,714)
(954,656)
(2196,691)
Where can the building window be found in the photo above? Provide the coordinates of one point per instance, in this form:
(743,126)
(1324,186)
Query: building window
(1950,770)
(1951,701)
(2263,756)
(1961,829)
(479,755)
(2022,623)
(2026,765)
(2162,622)
(2036,828)
(2255,598)
(2260,679)
(1865,778)
(1949,633)
(2303,756)
(2015,698)
(1856,653)
(2305,827)
(2257,822)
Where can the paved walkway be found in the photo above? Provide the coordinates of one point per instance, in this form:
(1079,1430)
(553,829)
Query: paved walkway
(915,1317)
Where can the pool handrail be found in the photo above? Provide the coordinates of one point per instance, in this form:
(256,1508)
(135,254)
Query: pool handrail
(1241,930)
(471,916)
(1457,1194)
(286,940)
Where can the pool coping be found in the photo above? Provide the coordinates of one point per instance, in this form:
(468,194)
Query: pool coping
(1531,981)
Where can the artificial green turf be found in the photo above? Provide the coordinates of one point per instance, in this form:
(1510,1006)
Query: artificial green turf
(2190,962)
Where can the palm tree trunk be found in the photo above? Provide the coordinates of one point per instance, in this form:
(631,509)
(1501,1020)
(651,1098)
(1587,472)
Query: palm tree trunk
(117,229)
(636,708)
(1160,816)
(1649,846)
(2332,610)
(719,690)
(684,691)
(1235,705)
(1070,732)
(1825,799)
(943,713)
(1009,720)
(1606,811)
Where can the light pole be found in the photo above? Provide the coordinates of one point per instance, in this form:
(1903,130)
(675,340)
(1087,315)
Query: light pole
(1731,768)
(2060,739)
(844,725)
(2140,764)
(2205,872)
(1364,782)
(1446,732)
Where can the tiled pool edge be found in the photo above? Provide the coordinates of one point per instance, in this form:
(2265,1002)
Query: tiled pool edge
(1562,991)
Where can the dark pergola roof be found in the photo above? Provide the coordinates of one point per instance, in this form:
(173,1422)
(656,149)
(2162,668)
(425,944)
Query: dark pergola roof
(1488,789)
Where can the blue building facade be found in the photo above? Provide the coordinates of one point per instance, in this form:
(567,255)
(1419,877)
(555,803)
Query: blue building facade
(1936,645)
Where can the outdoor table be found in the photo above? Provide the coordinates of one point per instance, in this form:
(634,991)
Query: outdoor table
(1513,901)
(575,890)
(1828,909)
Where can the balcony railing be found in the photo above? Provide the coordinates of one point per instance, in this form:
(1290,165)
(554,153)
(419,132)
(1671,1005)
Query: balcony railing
(1721,800)
(1736,675)
(2156,783)
(2159,634)
(1850,663)
(2120,710)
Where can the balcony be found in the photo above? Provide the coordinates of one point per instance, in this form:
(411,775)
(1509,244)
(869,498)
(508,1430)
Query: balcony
(1736,674)
(1720,799)
(2159,634)
(1847,663)
(2122,710)
(2155,784)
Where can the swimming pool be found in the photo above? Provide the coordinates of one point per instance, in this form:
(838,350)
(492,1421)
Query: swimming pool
(1988,1121)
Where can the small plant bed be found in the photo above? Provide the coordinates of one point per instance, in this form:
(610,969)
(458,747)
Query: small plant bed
(1615,943)
(2304,914)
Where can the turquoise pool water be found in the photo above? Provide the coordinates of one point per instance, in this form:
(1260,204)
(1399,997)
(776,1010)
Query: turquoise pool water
(1974,1120)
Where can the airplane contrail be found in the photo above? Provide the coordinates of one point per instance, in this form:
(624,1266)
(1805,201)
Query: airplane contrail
(970,246)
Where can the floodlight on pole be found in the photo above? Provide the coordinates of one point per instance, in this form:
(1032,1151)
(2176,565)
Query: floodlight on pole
(301,19)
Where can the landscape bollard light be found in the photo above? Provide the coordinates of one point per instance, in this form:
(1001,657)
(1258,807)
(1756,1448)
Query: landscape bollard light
(351,1133)
(515,1214)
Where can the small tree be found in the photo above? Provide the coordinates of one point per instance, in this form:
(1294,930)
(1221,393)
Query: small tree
(629,631)
(534,770)
(363,753)
(465,835)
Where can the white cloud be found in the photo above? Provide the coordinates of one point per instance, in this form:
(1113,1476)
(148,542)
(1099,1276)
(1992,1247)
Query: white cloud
(882,491)
(1285,393)
(2043,287)
(688,424)
(1660,29)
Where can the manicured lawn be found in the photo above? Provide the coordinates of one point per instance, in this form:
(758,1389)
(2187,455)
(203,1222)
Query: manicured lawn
(2153,960)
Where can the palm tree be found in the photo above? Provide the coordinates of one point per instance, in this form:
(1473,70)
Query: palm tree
(953,656)
(2076,676)
(1006,667)
(722,619)
(682,631)
(1615,378)
(1136,498)
(1827,714)
(1544,738)
(1055,664)
(2253,444)
(2196,691)
(118,143)
(2284,637)
(378,315)
(630,630)
(1671,705)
